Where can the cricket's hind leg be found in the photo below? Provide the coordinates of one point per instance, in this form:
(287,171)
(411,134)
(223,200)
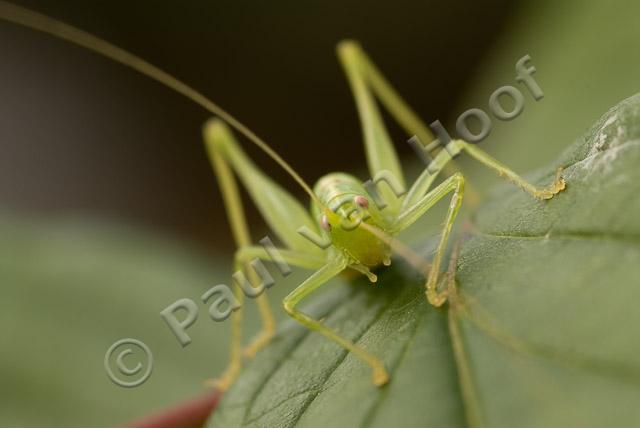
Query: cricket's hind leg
(280,211)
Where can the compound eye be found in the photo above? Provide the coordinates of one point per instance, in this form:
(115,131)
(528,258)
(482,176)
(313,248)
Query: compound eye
(361,201)
(324,223)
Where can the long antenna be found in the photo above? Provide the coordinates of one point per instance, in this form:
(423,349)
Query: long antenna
(39,22)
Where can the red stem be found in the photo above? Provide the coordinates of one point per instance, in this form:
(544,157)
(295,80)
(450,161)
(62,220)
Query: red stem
(190,414)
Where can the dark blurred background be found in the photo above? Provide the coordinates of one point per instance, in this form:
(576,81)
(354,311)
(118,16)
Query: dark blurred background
(80,134)
(93,157)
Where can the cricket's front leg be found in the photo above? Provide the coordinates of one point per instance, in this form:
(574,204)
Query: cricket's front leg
(333,268)
(244,257)
(454,184)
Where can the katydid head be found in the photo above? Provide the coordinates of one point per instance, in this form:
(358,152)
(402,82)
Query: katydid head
(347,207)
(347,212)
(348,234)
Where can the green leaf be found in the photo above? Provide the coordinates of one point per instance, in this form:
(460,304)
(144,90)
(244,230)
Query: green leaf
(68,290)
(543,335)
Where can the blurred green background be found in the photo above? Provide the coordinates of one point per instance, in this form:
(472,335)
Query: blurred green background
(110,211)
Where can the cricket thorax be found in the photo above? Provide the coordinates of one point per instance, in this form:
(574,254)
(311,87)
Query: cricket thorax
(349,205)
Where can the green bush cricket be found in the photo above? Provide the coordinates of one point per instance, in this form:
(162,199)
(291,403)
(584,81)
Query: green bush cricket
(335,199)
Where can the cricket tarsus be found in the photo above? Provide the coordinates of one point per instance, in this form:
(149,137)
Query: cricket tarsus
(361,235)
